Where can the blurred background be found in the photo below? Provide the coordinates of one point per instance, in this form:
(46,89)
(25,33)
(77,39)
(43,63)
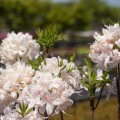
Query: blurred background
(77,20)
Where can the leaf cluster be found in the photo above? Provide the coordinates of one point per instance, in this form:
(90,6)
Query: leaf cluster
(48,36)
(24,109)
(92,81)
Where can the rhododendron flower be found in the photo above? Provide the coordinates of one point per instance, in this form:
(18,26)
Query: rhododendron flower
(104,51)
(53,65)
(49,94)
(46,90)
(67,71)
(118,43)
(18,46)
(13,79)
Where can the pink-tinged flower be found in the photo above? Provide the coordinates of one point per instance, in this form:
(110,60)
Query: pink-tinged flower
(12,81)
(49,93)
(67,71)
(111,34)
(118,43)
(67,103)
(53,65)
(104,51)
(18,46)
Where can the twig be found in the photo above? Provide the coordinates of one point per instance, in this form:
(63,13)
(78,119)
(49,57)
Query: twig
(61,115)
(92,108)
(92,99)
(99,98)
(118,88)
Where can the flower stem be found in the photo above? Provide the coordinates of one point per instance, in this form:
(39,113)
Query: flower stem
(92,108)
(118,88)
(99,98)
(61,115)
(92,102)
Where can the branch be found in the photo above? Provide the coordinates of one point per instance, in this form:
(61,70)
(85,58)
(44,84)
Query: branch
(99,98)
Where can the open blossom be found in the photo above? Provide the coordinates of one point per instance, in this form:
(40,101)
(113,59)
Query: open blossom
(18,46)
(104,51)
(118,43)
(71,75)
(111,33)
(61,67)
(46,90)
(53,65)
(49,94)
(13,79)
(54,83)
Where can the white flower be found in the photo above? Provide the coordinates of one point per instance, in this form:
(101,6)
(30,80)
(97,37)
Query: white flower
(53,65)
(19,74)
(61,67)
(118,43)
(13,79)
(18,46)
(111,34)
(104,51)
(65,105)
(48,94)
(9,114)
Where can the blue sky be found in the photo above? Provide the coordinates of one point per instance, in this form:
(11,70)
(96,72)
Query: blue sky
(112,2)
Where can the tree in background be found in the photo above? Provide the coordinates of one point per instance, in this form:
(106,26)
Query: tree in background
(21,15)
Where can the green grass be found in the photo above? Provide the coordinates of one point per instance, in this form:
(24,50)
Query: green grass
(82,50)
(107,110)
(63,51)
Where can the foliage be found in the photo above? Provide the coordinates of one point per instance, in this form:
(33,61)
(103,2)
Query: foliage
(48,37)
(24,109)
(21,15)
(93,82)
(35,63)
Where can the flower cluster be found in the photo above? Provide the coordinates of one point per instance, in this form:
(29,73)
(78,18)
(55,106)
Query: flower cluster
(13,79)
(105,51)
(46,90)
(54,82)
(68,71)
(18,47)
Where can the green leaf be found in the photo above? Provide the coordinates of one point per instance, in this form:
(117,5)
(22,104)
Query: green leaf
(48,36)
(83,72)
(84,84)
(72,58)
(94,75)
(29,110)
(35,63)
(20,106)
(70,69)
(23,109)
(61,70)
(19,112)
